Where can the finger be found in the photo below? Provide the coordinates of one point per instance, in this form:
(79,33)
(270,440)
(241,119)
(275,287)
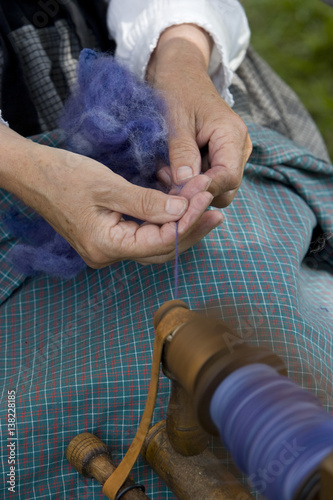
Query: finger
(193,186)
(164,175)
(227,156)
(224,199)
(208,221)
(227,161)
(198,184)
(184,154)
(225,184)
(197,206)
(144,204)
(124,240)
(130,241)
(233,150)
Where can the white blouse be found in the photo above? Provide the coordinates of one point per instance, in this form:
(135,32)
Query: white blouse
(136,26)
(2,120)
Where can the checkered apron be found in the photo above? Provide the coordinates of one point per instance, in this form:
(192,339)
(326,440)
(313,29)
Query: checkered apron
(77,353)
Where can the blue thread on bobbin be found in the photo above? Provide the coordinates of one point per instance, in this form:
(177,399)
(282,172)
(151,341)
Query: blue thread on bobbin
(277,433)
(176,264)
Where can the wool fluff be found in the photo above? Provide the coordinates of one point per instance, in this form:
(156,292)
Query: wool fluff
(113,118)
(43,250)
(116,119)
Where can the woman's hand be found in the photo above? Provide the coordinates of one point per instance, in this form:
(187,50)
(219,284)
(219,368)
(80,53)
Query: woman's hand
(206,135)
(84,202)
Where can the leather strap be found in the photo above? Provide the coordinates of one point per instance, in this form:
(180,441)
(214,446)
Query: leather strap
(119,476)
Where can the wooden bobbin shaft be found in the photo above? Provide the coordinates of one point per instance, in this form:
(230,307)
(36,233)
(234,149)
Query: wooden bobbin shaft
(198,477)
(319,486)
(200,352)
(185,434)
(326,478)
(177,448)
(91,458)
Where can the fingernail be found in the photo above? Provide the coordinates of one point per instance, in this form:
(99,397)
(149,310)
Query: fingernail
(220,222)
(209,197)
(175,206)
(164,177)
(184,173)
(209,181)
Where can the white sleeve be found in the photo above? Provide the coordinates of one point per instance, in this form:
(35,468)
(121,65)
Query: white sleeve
(136,25)
(3,121)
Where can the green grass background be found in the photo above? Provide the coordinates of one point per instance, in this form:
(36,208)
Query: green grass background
(296,38)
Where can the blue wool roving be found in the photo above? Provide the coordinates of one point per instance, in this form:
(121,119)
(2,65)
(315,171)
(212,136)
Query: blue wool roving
(42,250)
(117,120)
(113,118)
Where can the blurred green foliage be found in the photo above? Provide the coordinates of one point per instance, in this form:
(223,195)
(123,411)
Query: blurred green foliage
(296,38)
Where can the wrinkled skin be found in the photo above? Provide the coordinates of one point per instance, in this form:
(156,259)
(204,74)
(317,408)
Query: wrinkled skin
(200,119)
(84,201)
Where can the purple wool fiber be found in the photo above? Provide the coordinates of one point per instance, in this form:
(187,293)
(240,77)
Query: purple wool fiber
(34,231)
(43,250)
(57,259)
(117,120)
(113,118)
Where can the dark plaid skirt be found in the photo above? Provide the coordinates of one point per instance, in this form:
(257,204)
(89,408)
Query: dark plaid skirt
(39,47)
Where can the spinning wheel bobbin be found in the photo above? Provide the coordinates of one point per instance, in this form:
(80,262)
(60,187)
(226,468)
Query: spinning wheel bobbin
(176,448)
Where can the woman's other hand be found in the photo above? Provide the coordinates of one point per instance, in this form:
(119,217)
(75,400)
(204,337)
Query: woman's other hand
(206,135)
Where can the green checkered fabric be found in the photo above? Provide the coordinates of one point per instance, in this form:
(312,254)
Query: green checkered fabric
(77,353)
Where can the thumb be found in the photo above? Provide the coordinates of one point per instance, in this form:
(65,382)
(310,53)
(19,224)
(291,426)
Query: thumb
(146,204)
(184,154)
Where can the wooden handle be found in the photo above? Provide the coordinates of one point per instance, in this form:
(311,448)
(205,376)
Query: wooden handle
(198,477)
(326,478)
(185,434)
(92,458)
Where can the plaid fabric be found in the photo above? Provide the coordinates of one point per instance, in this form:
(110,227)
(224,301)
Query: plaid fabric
(49,61)
(78,352)
(262,97)
(40,43)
